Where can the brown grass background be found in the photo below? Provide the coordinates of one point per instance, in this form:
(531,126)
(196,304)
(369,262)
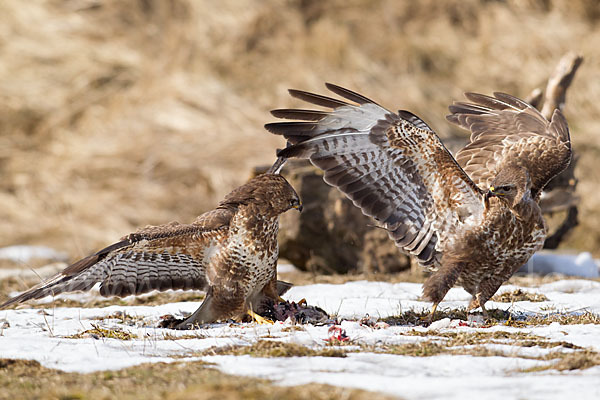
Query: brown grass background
(118,114)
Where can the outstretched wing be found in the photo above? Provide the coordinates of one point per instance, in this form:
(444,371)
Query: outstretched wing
(505,129)
(392,166)
(154,258)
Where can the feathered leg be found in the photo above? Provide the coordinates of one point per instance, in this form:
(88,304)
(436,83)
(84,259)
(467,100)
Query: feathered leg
(485,291)
(476,302)
(205,314)
(438,284)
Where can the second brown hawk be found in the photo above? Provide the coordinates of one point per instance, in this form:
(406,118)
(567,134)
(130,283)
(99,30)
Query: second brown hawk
(473,220)
(230,252)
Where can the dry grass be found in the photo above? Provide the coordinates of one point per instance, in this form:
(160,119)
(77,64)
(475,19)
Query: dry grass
(98,332)
(270,348)
(185,380)
(495,317)
(519,295)
(478,344)
(572,318)
(578,360)
(116,114)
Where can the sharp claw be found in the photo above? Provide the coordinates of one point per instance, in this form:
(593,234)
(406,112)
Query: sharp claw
(429,318)
(260,320)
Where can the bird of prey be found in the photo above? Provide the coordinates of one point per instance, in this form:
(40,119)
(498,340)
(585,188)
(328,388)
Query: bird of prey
(472,220)
(230,252)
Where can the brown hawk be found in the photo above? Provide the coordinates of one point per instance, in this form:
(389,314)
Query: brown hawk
(473,220)
(230,252)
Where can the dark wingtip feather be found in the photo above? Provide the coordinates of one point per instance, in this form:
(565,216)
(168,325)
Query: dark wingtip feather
(559,123)
(348,94)
(36,292)
(317,99)
(452,118)
(298,151)
(285,128)
(489,101)
(14,300)
(303,115)
(512,100)
(277,165)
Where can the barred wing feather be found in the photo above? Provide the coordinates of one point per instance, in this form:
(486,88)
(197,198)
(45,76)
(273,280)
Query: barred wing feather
(153,258)
(392,166)
(505,129)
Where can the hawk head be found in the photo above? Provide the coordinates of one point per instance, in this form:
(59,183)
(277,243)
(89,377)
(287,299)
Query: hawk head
(271,194)
(512,185)
(279,194)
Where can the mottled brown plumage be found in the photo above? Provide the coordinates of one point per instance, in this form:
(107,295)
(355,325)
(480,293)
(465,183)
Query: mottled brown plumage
(230,252)
(473,220)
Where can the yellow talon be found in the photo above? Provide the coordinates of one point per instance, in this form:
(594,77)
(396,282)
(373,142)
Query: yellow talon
(259,320)
(429,319)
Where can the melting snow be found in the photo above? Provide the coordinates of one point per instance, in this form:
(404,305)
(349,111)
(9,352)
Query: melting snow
(43,335)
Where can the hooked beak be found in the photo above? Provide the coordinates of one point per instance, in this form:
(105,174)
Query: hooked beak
(490,193)
(298,206)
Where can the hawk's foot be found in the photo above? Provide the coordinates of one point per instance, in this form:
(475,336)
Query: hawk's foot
(259,320)
(429,319)
(170,322)
(477,303)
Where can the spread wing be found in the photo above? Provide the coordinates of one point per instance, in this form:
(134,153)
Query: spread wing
(392,166)
(505,129)
(153,258)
